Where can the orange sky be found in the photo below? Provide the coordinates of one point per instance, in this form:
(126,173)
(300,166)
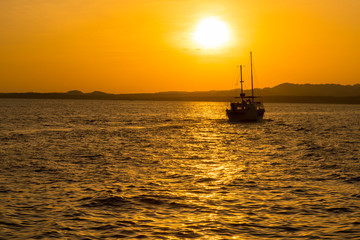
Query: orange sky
(131,46)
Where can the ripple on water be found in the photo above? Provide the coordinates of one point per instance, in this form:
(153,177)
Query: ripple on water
(177,170)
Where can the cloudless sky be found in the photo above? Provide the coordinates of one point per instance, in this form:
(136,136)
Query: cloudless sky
(133,46)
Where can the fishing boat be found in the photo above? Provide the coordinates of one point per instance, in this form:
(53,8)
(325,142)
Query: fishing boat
(246,108)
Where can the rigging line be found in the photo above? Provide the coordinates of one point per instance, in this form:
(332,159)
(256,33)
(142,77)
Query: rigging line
(257,86)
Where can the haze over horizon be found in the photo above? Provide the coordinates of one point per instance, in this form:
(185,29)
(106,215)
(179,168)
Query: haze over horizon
(154,46)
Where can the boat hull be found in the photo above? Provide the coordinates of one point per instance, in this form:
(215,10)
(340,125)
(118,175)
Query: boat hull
(248,115)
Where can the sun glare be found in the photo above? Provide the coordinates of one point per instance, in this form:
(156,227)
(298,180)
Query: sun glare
(211,32)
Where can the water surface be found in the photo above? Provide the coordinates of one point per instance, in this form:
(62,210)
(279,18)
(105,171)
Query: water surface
(91,169)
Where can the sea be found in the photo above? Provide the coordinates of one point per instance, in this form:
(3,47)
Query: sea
(103,169)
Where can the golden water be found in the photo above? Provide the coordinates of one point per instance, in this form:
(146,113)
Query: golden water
(78,169)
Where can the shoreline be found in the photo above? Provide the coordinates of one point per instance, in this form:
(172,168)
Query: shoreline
(182,97)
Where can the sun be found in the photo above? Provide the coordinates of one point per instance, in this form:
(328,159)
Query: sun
(211,32)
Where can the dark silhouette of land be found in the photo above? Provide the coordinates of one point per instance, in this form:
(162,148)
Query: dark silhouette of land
(285,93)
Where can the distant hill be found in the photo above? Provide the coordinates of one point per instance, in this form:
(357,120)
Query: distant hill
(286,92)
(334,90)
(74,92)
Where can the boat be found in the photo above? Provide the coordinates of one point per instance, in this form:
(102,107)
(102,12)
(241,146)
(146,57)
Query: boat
(246,108)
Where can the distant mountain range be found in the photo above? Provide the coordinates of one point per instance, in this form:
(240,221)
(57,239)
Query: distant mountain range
(334,90)
(286,92)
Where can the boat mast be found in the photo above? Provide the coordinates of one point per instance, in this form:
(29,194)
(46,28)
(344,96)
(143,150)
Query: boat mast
(252,84)
(241,81)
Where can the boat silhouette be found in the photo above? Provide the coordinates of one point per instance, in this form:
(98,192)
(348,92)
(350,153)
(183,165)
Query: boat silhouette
(246,108)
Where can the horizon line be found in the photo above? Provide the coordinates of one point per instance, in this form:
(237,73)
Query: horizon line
(180,91)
